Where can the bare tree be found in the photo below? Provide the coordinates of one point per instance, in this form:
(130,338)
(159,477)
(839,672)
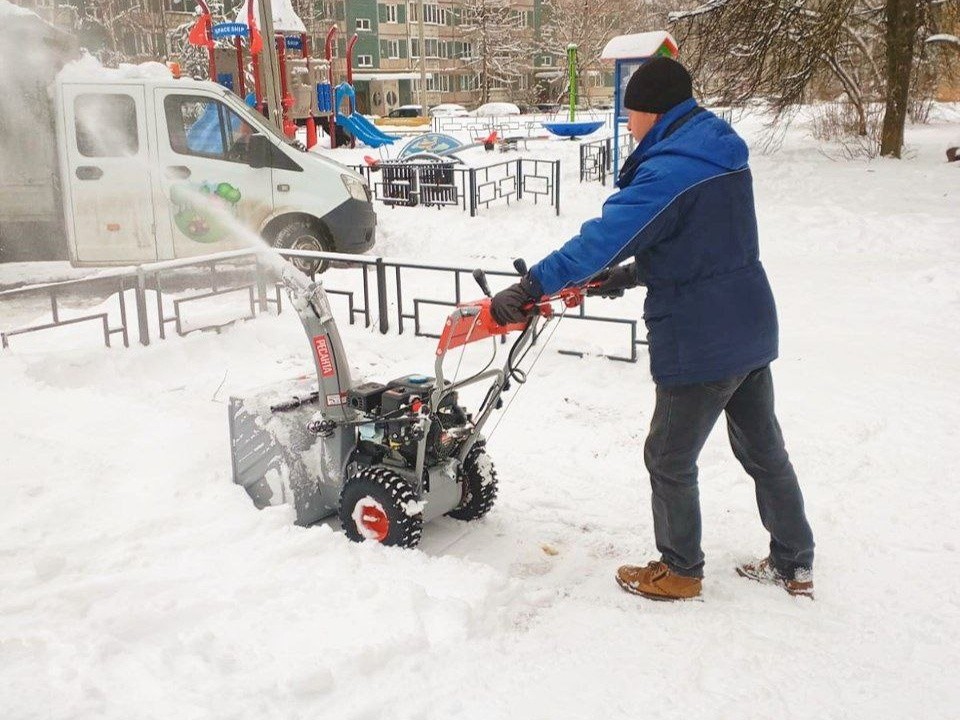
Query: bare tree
(783,52)
(755,48)
(499,46)
(588,24)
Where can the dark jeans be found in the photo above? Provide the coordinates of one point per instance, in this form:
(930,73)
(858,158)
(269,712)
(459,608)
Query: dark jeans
(682,420)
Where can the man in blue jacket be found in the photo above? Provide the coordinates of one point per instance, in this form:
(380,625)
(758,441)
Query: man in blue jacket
(685,213)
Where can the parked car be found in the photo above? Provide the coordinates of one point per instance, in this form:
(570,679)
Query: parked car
(448,110)
(496,109)
(405,111)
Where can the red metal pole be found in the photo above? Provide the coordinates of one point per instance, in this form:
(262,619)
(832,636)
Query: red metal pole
(328,51)
(211,49)
(255,60)
(211,64)
(286,101)
(241,81)
(311,120)
(353,41)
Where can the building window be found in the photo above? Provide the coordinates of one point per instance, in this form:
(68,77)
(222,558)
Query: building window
(437,83)
(390,13)
(432,14)
(547,60)
(363,24)
(365,61)
(467,53)
(393,49)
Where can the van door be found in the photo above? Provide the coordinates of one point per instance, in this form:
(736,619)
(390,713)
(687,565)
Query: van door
(107,174)
(213,200)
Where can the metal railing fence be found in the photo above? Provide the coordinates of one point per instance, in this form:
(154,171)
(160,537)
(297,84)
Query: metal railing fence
(375,289)
(596,157)
(446,184)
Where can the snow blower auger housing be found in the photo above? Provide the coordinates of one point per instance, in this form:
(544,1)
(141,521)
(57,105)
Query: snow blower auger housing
(386,457)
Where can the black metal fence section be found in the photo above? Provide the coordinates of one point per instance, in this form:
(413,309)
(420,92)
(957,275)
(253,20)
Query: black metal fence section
(408,184)
(443,183)
(117,284)
(409,309)
(251,276)
(596,157)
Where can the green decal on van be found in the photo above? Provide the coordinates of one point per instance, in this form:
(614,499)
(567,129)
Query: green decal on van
(200,207)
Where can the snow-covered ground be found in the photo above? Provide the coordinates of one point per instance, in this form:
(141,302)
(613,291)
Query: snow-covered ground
(136,581)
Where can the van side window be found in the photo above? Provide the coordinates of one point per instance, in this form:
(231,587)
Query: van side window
(106,125)
(206,127)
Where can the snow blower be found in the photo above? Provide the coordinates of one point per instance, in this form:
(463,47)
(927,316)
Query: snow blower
(385,457)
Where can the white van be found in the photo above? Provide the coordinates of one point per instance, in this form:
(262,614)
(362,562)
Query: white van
(150,166)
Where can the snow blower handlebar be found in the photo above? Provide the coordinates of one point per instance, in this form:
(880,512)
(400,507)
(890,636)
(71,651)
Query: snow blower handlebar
(473,321)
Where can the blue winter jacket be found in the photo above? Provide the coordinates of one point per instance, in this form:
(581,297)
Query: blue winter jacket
(685,211)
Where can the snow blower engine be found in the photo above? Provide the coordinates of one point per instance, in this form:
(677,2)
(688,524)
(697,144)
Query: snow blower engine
(385,457)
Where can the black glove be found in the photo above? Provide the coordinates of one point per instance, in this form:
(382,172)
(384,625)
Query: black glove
(614,280)
(508,305)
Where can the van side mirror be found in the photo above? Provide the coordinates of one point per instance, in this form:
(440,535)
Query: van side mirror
(258,151)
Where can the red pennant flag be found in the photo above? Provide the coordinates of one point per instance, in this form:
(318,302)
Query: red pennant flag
(200,32)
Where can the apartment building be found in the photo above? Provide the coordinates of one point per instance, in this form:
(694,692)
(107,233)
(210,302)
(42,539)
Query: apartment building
(386,60)
(386,56)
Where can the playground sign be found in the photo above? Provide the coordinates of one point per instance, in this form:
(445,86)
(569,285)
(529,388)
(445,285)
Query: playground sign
(293,42)
(435,143)
(225,30)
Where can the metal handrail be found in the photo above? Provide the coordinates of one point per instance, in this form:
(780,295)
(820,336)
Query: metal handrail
(146,278)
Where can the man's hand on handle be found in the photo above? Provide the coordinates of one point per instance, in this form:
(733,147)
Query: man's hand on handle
(614,280)
(515,303)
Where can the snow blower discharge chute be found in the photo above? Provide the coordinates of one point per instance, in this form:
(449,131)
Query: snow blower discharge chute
(385,457)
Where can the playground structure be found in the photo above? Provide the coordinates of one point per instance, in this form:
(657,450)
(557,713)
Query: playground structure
(307,95)
(629,52)
(353,122)
(571,129)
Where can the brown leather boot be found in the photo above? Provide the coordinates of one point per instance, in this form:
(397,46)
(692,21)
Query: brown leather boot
(765,573)
(656,582)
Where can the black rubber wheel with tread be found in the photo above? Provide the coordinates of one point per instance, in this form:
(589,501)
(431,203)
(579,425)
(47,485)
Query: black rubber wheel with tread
(305,235)
(479,491)
(393,493)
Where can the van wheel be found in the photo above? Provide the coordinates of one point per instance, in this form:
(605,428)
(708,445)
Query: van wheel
(305,235)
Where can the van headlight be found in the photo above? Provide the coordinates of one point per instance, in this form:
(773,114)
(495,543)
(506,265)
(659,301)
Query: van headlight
(357,188)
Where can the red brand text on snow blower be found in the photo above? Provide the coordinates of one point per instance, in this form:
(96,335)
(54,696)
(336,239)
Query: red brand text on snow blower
(323,356)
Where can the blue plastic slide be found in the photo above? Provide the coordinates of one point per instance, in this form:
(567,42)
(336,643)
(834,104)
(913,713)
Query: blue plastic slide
(364,130)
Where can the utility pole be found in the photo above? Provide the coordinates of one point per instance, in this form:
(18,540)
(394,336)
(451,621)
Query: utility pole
(268,63)
(423,60)
(163,31)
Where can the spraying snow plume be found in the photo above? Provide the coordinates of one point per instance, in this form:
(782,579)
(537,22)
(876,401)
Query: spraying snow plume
(31,53)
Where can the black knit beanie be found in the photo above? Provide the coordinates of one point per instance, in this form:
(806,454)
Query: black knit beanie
(657,86)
